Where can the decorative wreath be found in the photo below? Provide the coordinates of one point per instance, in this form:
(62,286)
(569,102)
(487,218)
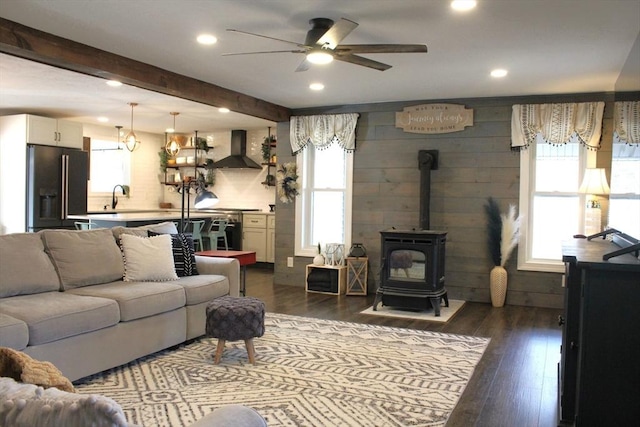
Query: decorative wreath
(287,177)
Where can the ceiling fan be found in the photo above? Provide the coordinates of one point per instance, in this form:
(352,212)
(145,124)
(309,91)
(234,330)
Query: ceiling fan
(322,45)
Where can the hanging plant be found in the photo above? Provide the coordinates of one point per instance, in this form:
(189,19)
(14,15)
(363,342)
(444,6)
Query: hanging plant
(164,159)
(266,147)
(287,182)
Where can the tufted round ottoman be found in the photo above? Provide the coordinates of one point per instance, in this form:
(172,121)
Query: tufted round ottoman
(233,319)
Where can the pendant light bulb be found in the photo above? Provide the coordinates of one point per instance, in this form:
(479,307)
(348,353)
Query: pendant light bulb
(172,147)
(131,140)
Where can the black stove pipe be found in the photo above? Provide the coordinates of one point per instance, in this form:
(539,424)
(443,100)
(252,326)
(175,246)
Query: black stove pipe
(427,161)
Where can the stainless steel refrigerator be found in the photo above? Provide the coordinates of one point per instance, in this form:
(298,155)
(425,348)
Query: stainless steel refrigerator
(56,186)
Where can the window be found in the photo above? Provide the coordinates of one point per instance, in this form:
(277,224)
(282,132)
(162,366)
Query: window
(624,200)
(552,208)
(110,166)
(323,207)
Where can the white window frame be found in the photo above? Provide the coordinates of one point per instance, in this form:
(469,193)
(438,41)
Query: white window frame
(304,208)
(527,179)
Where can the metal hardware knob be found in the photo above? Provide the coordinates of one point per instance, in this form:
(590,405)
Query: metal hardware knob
(560,320)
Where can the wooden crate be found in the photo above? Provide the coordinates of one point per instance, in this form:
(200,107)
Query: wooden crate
(357,269)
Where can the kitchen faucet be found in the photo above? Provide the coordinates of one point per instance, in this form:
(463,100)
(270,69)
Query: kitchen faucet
(114,199)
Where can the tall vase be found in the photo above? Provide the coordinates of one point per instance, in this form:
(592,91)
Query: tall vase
(498,285)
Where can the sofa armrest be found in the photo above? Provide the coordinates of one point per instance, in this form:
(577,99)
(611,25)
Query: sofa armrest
(229,267)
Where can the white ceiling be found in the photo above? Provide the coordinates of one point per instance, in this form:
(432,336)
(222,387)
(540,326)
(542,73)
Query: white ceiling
(548,47)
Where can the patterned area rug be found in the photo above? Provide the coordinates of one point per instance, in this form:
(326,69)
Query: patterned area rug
(309,372)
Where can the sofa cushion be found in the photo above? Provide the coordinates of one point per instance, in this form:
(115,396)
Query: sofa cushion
(13,332)
(51,316)
(83,258)
(27,405)
(138,299)
(184,257)
(25,266)
(147,258)
(203,288)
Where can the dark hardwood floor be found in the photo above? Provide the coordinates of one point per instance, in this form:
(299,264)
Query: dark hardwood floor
(515,383)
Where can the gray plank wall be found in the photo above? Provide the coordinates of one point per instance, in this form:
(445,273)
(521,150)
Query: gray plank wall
(473,165)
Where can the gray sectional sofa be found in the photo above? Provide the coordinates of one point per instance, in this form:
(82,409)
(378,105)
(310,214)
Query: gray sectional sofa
(63,299)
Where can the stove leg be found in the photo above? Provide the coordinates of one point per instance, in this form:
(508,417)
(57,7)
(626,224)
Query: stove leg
(435,303)
(376,301)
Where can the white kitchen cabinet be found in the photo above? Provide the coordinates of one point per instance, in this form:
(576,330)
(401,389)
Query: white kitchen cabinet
(257,235)
(48,131)
(271,238)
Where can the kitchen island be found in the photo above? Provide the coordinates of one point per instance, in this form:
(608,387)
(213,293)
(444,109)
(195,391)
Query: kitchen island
(135,219)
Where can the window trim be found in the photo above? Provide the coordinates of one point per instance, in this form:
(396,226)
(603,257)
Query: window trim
(303,204)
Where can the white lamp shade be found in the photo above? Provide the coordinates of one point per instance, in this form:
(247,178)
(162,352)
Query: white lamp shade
(594,182)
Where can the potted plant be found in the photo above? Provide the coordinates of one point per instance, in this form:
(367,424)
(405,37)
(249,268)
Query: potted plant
(503,233)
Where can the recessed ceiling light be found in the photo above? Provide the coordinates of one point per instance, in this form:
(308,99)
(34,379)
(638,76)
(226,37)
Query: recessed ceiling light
(498,72)
(223,110)
(316,86)
(463,5)
(103,119)
(207,39)
(114,83)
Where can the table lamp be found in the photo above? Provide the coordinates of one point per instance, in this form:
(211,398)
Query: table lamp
(594,184)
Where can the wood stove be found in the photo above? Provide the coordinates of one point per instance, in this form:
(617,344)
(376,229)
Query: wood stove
(412,261)
(412,273)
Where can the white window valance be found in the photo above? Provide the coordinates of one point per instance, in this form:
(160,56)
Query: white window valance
(323,130)
(626,122)
(557,124)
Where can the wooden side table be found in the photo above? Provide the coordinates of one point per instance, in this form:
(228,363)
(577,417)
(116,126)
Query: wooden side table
(333,279)
(357,269)
(244,258)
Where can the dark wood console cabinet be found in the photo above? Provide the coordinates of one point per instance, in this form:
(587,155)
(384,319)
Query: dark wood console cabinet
(599,370)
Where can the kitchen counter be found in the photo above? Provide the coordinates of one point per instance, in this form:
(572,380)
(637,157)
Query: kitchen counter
(108,220)
(134,218)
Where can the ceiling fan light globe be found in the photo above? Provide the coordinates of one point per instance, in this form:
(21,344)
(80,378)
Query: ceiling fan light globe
(319,57)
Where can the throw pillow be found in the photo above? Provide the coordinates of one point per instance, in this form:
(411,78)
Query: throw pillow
(22,367)
(184,257)
(147,259)
(27,405)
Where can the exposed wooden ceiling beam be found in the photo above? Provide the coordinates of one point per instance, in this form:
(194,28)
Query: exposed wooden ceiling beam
(29,43)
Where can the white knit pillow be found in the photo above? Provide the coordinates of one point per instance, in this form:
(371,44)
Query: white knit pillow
(27,405)
(147,259)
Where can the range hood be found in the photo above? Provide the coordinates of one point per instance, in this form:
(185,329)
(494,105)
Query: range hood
(238,158)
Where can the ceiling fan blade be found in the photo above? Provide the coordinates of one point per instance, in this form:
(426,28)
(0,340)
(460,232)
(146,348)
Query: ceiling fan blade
(304,66)
(382,48)
(268,37)
(336,33)
(365,62)
(267,51)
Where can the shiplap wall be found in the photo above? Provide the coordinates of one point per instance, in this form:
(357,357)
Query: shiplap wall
(473,165)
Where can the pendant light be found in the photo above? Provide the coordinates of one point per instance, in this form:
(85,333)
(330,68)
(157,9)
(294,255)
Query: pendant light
(119,128)
(173,147)
(131,140)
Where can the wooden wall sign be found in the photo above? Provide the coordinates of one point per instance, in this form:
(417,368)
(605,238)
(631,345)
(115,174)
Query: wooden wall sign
(434,118)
